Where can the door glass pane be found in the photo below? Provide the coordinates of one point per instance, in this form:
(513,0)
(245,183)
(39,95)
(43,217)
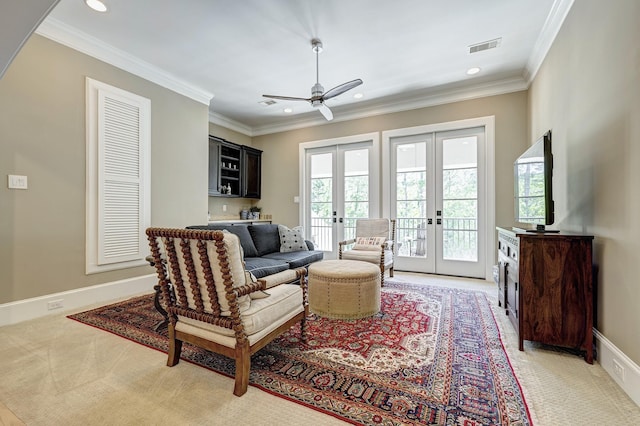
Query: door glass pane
(411,198)
(356,189)
(460,199)
(321,200)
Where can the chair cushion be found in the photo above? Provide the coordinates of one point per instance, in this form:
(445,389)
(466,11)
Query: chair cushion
(297,259)
(261,318)
(368,256)
(373,228)
(236,273)
(291,239)
(263,266)
(266,238)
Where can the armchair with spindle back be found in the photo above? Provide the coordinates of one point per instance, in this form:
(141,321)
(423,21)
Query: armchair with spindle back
(213,302)
(374,242)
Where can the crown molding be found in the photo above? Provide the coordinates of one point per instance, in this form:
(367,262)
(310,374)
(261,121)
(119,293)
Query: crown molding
(555,19)
(482,90)
(230,124)
(59,32)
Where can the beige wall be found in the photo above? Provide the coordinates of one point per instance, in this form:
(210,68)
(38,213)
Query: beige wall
(42,135)
(280,170)
(588,92)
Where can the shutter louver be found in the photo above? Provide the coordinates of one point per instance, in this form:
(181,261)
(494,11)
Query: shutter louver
(120,227)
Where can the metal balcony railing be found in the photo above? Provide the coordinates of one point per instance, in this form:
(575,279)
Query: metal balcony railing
(460,236)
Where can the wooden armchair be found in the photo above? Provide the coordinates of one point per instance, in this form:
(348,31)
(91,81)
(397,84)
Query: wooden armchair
(214,304)
(374,242)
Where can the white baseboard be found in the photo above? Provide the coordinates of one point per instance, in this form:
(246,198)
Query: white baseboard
(608,356)
(27,309)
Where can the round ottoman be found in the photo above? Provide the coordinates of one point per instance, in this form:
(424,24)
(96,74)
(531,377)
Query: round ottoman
(344,289)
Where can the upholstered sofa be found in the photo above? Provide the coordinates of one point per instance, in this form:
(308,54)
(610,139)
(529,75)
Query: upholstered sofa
(271,252)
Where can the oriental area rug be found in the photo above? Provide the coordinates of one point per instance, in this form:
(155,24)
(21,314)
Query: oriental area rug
(433,356)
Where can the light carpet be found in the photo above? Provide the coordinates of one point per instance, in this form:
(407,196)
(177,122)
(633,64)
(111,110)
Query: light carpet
(433,356)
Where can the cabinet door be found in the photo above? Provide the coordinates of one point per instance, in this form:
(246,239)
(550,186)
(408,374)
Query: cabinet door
(214,166)
(252,172)
(502,280)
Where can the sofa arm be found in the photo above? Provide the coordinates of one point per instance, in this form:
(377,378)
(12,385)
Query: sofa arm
(310,245)
(284,277)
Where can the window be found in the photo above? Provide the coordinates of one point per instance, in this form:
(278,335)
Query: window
(118,177)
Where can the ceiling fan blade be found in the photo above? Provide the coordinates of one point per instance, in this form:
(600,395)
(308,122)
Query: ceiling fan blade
(338,90)
(287,98)
(326,112)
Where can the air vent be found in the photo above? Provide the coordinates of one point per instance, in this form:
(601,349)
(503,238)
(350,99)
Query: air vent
(485,45)
(267,102)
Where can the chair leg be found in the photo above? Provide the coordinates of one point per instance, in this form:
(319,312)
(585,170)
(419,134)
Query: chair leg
(175,347)
(243,367)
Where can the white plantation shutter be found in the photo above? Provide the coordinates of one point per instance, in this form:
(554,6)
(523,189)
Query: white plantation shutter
(118,174)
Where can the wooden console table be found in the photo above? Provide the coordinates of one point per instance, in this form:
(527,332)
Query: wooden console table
(546,287)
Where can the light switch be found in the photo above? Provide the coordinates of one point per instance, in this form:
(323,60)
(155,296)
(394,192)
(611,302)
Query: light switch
(17,182)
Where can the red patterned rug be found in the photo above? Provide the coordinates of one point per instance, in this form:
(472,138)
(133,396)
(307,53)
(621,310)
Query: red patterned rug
(432,357)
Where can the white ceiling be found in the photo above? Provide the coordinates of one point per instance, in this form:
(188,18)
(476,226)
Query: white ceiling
(409,53)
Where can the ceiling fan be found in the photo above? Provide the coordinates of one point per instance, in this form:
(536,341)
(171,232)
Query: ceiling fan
(318,98)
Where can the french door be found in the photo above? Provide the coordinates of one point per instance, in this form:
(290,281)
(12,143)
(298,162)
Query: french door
(437,195)
(340,187)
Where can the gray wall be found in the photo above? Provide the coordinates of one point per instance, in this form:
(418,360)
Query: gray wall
(588,92)
(42,135)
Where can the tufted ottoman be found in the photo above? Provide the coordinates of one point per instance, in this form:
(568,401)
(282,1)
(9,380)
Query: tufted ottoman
(344,289)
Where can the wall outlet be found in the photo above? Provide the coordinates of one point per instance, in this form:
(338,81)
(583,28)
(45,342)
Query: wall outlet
(618,369)
(224,207)
(17,182)
(55,304)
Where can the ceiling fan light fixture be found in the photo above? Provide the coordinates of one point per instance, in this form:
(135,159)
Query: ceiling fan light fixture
(96,5)
(318,95)
(316,45)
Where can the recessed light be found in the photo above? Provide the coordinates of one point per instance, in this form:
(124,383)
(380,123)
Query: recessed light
(288,110)
(96,5)
(472,71)
(358,95)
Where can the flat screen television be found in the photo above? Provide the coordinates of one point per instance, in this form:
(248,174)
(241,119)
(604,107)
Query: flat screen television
(533,174)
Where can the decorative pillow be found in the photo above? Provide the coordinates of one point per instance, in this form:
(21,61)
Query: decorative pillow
(265,238)
(369,243)
(291,239)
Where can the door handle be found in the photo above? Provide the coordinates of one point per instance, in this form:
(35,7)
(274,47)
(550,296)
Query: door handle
(334,220)
(340,220)
(439,221)
(429,221)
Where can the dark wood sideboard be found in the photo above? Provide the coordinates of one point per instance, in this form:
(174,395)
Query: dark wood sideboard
(545,285)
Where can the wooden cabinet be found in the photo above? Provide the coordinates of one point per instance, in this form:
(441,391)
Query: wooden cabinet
(234,170)
(252,172)
(548,280)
